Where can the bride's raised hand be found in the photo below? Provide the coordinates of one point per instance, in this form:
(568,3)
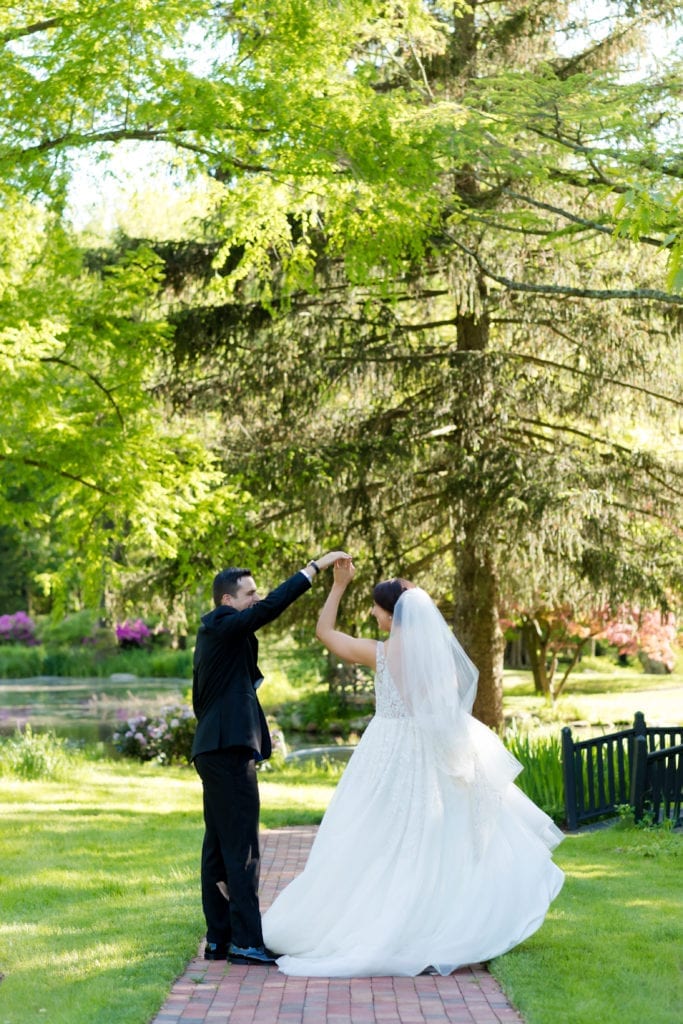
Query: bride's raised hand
(344,571)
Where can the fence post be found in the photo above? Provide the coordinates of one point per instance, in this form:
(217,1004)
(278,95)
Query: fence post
(639,727)
(569,776)
(638,774)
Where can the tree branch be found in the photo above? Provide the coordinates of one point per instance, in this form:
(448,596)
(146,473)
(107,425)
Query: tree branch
(38,464)
(566,429)
(29,30)
(582,293)
(574,219)
(92,377)
(80,139)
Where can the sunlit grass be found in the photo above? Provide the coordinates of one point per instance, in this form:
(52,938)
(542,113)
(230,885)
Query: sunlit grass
(98,892)
(610,948)
(297,795)
(598,698)
(99,885)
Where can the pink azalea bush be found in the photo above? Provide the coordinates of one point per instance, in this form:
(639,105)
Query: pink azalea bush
(18,629)
(133,633)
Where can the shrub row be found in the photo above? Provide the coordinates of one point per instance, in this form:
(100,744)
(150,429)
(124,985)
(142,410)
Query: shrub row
(18,662)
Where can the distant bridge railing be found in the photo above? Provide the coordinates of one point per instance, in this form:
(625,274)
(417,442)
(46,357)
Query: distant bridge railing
(641,766)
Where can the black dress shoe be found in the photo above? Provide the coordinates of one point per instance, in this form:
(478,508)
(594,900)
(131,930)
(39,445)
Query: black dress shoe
(216,951)
(250,955)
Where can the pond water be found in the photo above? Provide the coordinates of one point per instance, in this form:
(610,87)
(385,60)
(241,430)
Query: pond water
(85,710)
(89,711)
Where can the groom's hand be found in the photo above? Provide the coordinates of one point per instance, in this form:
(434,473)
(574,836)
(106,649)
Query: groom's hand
(325,561)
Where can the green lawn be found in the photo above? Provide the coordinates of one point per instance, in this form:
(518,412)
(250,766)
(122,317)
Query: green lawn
(611,948)
(602,699)
(99,886)
(100,910)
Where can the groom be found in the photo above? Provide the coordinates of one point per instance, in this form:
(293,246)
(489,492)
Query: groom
(231,736)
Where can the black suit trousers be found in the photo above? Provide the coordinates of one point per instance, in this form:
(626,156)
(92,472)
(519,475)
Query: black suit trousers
(230,852)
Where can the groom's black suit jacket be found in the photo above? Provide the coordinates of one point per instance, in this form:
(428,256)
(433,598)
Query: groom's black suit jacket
(225,671)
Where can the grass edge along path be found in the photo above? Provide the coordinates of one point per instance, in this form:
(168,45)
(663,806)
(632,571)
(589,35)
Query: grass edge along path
(610,949)
(100,909)
(100,905)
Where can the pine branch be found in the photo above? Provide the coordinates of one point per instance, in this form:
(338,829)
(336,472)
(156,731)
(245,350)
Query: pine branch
(614,445)
(556,289)
(591,224)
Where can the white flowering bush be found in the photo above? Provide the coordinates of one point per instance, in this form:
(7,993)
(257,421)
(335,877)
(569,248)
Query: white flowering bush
(34,755)
(166,738)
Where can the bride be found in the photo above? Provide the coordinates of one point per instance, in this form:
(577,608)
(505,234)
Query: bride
(428,857)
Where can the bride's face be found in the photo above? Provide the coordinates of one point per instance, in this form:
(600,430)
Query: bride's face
(383,617)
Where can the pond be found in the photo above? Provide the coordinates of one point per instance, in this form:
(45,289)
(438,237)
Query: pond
(84,710)
(89,711)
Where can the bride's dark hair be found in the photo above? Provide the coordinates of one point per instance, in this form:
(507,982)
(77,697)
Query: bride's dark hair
(387,593)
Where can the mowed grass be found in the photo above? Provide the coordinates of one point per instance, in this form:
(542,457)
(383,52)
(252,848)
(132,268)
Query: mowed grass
(611,948)
(603,699)
(99,886)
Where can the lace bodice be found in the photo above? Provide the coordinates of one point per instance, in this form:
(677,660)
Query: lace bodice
(388,703)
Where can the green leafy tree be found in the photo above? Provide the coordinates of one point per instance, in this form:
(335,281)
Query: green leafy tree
(443,281)
(89,454)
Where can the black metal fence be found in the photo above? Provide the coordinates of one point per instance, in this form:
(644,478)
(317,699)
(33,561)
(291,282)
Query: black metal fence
(641,766)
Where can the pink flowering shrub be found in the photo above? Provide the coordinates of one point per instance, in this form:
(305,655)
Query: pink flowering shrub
(645,633)
(18,629)
(133,633)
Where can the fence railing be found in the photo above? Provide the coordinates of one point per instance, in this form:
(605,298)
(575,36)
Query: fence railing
(604,772)
(657,782)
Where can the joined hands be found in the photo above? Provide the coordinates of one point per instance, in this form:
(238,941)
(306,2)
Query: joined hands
(344,570)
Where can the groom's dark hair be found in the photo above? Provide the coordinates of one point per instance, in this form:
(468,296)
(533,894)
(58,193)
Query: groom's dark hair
(226,582)
(387,593)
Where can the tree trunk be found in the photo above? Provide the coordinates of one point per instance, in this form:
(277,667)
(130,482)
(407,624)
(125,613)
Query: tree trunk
(477,626)
(536,649)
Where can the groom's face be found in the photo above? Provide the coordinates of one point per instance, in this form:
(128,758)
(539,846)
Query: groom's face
(246,595)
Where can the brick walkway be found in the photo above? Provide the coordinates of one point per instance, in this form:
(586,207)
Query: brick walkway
(220,993)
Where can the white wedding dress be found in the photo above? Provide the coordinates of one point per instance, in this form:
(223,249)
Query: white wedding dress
(412,867)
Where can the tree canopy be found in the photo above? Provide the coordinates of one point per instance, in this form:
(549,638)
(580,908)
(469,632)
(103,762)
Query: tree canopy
(435,308)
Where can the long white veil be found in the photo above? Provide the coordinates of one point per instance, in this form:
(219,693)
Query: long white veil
(438,683)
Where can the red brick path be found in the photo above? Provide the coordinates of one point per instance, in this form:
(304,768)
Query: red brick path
(220,993)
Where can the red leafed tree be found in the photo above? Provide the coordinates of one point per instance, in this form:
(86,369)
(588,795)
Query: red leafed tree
(636,631)
(549,632)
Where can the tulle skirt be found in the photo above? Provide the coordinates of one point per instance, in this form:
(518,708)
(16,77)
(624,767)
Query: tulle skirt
(409,871)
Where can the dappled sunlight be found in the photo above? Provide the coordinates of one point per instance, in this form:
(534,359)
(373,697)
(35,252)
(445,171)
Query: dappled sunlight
(591,870)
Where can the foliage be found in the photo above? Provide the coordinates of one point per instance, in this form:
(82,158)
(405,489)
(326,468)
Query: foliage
(644,631)
(433,295)
(166,738)
(29,755)
(541,778)
(90,454)
(70,630)
(18,629)
(21,662)
(86,661)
